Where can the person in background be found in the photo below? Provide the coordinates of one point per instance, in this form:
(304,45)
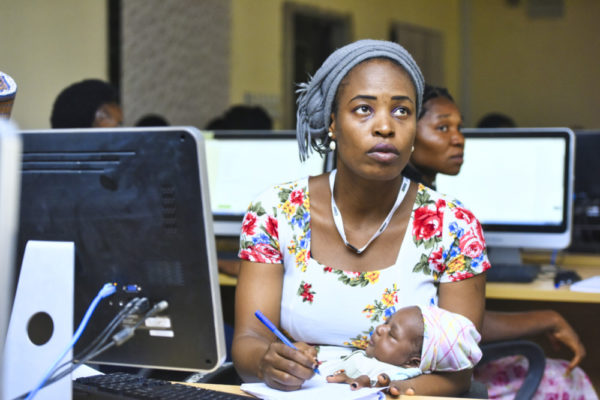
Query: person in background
(362,236)
(242,117)
(90,103)
(496,120)
(8,91)
(152,120)
(439,147)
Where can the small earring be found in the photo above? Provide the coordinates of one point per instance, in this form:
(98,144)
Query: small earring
(332,145)
(412,149)
(330,134)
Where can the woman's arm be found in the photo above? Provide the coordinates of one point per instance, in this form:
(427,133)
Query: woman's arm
(505,326)
(257,353)
(466,297)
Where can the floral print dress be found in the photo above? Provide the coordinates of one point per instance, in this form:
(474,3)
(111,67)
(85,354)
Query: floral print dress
(503,377)
(327,306)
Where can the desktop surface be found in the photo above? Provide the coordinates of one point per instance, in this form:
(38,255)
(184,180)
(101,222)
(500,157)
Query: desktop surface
(543,287)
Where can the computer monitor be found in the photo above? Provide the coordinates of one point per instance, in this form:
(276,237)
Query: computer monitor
(10,154)
(135,203)
(519,183)
(241,164)
(586,219)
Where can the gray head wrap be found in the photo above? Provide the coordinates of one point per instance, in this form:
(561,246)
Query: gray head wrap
(316,97)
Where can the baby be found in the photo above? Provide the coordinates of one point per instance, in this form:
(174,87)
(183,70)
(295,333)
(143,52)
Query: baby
(413,340)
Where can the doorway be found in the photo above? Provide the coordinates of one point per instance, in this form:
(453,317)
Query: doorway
(310,35)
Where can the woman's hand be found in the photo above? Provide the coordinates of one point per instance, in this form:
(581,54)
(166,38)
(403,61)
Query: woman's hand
(562,332)
(285,368)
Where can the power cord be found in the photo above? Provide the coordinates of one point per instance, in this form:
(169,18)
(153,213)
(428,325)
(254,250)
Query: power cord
(117,340)
(107,290)
(133,306)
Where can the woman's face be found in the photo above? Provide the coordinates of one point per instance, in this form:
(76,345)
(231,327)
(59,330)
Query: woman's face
(375,122)
(439,144)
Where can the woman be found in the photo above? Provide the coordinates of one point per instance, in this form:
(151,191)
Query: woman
(439,146)
(330,257)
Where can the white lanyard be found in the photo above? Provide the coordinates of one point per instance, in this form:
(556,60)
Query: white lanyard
(337,216)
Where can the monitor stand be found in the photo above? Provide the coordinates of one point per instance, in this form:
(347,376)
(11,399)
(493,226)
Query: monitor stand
(41,322)
(504,255)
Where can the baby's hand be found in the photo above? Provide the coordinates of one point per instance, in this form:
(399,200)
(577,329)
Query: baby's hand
(355,383)
(383,380)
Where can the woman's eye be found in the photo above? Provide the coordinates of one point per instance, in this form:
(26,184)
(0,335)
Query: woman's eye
(443,128)
(363,110)
(400,112)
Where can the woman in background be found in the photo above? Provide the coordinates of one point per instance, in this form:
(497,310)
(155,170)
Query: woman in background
(439,147)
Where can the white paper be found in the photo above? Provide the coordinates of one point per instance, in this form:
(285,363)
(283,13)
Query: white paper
(316,388)
(589,285)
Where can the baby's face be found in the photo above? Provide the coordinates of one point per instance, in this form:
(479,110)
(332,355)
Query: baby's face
(393,342)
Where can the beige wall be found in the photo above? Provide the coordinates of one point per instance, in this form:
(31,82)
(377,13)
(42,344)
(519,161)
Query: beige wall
(257,39)
(47,45)
(542,72)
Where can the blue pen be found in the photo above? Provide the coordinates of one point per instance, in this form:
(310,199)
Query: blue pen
(277,332)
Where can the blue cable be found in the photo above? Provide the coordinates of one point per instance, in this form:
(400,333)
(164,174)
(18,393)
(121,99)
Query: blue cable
(105,291)
(553,257)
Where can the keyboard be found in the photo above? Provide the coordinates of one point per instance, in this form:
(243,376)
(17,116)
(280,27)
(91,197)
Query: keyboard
(120,385)
(519,273)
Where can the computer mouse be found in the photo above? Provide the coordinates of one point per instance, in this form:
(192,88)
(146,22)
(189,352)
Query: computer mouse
(566,277)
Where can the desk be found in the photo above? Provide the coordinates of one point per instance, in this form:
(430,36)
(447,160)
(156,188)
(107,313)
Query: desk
(236,390)
(542,289)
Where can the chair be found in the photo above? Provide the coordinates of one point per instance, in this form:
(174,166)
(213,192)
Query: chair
(530,350)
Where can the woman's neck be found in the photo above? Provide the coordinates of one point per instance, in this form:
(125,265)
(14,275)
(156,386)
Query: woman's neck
(363,197)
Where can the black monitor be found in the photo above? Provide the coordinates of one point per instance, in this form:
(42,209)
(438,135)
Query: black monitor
(242,164)
(135,203)
(586,217)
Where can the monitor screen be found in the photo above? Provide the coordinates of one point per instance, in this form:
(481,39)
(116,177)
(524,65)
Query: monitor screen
(242,164)
(519,184)
(135,203)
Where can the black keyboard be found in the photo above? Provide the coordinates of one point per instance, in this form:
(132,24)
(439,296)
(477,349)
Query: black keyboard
(120,385)
(520,273)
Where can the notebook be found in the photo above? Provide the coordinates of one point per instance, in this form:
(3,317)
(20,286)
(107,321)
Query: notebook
(315,389)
